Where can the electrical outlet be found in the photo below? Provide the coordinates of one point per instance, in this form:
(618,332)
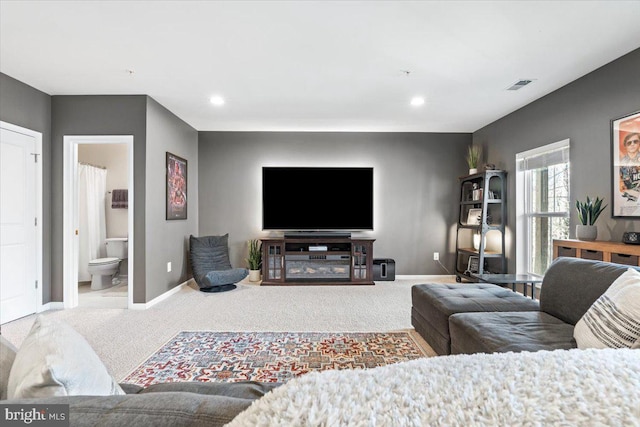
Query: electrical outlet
(169,267)
(436,256)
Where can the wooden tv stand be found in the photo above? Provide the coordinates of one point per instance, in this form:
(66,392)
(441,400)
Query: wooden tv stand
(317,261)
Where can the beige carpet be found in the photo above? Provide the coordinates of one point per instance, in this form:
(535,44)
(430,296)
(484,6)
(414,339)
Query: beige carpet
(125,338)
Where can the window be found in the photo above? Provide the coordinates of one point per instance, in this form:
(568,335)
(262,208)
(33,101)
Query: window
(542,204)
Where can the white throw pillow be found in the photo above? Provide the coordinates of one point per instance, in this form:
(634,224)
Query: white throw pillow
(613,321)
(55,360)
(7,355)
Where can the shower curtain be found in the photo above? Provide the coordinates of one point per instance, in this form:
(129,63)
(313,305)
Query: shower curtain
(92,197)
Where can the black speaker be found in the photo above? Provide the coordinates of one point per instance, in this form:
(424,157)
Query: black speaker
(631,238)
(384,269)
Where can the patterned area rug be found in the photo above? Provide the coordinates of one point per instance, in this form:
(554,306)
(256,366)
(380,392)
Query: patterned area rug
(270,356)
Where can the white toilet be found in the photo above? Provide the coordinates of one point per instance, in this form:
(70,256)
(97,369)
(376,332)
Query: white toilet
(103,270)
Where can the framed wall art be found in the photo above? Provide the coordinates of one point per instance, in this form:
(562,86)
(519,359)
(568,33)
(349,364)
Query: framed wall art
(473,265)
(473,217)
(176,187)
(625,161)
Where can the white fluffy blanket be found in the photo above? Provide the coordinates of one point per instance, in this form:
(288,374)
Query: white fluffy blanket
(563,387)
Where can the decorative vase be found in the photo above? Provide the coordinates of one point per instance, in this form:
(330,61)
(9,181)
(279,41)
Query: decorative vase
(254,275)
(586,232)
(473,170)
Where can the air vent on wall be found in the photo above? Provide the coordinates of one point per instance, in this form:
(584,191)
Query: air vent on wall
(519,84)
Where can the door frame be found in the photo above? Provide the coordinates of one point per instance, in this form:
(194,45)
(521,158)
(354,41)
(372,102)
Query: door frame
(40,306)
(71,214)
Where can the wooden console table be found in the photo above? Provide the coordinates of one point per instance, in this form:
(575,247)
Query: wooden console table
(600,250)
(317,261)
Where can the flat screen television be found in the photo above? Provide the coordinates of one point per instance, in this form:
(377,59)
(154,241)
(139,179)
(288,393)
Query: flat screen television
(317,198)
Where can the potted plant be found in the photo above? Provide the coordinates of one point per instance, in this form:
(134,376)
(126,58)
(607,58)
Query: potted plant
(473,157)
(588,213)
(254,260)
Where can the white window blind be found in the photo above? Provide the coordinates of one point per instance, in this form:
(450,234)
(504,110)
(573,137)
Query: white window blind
(543,157)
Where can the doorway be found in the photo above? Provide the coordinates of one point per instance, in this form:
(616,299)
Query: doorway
(21,222)
(72,217)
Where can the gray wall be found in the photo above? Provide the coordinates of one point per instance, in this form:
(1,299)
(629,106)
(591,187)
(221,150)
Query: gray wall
(99,115)
(415,189)
(167,241)
(155,130)
(580,111)
(30,108)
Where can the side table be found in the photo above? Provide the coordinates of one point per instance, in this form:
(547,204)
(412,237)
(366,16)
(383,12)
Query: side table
(512,279)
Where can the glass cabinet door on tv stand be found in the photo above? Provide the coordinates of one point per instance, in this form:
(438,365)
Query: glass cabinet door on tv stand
(273,260)
(480,234)
(361,261)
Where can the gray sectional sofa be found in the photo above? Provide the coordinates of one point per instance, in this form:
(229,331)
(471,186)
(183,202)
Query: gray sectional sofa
(486,318)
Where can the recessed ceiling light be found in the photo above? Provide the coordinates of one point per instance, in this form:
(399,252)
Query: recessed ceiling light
(417,101)
(217,100)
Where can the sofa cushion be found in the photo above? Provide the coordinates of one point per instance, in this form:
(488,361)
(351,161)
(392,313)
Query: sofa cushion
(508,331)
(55,360)
(434,303)
(613,320)
(571,285)
(7,356)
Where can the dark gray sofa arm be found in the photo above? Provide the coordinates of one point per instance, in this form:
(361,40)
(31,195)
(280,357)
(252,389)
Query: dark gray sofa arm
(211,404)
(130,388)
(571,285)
(242,390)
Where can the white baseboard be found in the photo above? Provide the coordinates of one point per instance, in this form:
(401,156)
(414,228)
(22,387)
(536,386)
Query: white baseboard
(423,276)
(159,298)
(54,305)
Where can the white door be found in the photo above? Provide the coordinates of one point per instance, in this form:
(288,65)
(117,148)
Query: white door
(18,230)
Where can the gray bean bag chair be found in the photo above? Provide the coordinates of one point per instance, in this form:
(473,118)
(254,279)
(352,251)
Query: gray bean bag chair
(210,264)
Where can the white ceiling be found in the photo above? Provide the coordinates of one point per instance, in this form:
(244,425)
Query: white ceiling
(316,66)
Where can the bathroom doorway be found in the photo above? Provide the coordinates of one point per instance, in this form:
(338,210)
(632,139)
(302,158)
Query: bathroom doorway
(98,221)
(102,224)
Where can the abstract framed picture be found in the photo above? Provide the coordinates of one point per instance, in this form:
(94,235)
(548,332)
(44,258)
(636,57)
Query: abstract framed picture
(625,161)
(176,187)
(473,217)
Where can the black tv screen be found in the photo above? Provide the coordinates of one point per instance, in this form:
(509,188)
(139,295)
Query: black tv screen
(317,198)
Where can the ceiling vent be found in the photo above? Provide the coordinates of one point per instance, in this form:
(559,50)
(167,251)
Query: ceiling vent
(519,84)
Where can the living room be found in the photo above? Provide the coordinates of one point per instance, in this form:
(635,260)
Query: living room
(416,173)
(406,164)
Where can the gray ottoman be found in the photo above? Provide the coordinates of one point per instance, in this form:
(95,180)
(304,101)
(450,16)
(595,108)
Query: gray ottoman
(432,304)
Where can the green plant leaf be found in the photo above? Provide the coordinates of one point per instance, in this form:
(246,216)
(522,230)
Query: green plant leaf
(254,260)
(589,211)
(473,155)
